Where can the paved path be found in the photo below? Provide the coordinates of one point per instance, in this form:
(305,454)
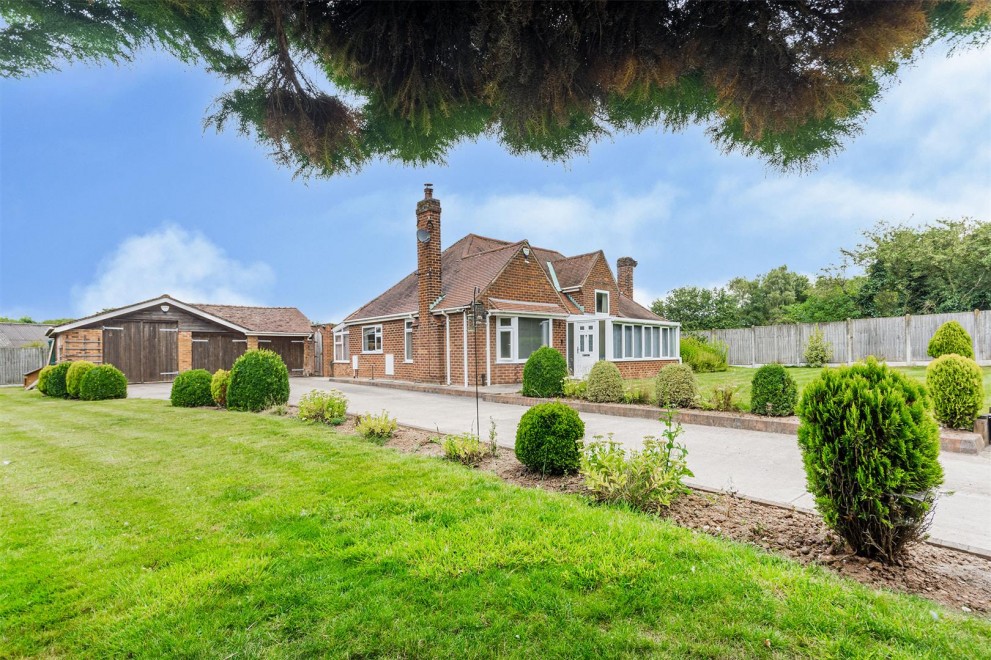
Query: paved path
(752,463)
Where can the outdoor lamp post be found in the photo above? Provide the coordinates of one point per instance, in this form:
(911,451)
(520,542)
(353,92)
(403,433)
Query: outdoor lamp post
(478,316)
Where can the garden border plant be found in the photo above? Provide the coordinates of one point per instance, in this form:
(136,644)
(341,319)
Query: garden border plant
(548,438)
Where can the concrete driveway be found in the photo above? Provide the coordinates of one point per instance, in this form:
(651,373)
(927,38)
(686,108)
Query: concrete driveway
(762,465)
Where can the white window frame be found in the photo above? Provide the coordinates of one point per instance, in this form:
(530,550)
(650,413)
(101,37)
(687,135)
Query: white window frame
(341,342)
(408,341)
(646,337)
(376,331)
(513,331)
(608,300)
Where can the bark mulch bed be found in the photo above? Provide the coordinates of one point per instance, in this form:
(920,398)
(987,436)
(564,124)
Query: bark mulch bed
(956,579)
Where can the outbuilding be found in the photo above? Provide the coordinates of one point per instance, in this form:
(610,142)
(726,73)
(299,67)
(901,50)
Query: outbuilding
(153,340)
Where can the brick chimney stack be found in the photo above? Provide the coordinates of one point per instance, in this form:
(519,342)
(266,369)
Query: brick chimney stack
(427,350)
(624,275)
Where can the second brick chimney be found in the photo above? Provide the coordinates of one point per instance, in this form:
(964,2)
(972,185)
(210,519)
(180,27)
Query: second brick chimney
(624,275)
(427,346)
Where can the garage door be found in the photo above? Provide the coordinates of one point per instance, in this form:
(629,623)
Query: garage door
(212,351)
(289,348)
(146,351)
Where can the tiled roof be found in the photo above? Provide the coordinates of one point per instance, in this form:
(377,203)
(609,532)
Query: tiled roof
(630,309)
(572,271)
(276,320)
(500,305)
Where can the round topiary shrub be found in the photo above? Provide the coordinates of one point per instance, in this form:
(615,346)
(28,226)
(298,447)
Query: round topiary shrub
(74,376)
(676,386)
(191,389)
(605,383)
(544,373)
(259,379)
(957,389)
(870,447)
(218,387)
(548,438)
(951,338)
(103,382)
(51,380)
(773,392)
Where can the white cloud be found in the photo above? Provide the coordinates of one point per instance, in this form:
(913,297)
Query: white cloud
(173,260)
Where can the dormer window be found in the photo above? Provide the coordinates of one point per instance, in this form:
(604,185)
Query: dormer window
(601,302)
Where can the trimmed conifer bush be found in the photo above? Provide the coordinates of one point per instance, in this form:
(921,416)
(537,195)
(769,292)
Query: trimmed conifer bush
(51,380)
(605,383)
(951,337)
(191,389)
(773,392)
(870,447)
(818,351)
(957,389)
(74,376)
(259,379)
(548,438)
(544,373)
(218,387)
(103,382)
(676,386)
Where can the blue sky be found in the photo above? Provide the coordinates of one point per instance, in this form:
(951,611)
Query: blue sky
(111,192)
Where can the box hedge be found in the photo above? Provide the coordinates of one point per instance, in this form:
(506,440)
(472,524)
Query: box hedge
(957,389)
(259,379)
(951,337)
(605,383)
(676,386)
(773,392)
(191,389)
(218,387)
(548,438)
(74,376)
(51,380)
(544,373)
(103,382)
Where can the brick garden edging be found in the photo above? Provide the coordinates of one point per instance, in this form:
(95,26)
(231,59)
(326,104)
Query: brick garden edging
(963,442)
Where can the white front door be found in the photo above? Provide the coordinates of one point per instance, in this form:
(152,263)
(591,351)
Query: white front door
(586,352)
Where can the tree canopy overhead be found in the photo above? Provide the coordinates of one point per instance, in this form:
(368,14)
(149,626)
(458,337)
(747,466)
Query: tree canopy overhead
(330,85)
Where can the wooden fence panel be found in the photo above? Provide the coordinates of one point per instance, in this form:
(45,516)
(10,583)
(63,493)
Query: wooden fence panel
(883,338)
(15,362)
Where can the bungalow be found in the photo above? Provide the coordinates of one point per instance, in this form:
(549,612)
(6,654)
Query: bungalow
(483,305)
(153,340)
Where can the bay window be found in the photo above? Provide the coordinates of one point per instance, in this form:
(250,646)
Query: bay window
(638,342)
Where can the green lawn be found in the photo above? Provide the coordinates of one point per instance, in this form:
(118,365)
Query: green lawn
(133,528)
(741,377)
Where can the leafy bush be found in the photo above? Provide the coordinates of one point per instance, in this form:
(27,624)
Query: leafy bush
(544,373)
(376,426)
(704,356)
(956,386)
(951,337)
(325,407)
(648,480)
(870,447)
(676,386)
(605,383)
(259,379)
(51,380)
(721,398)
(74,376)
(818,351)
(103,382)
(191,389)
(548,438)
(466,448)
(218,387)
(575,388)
(773,392)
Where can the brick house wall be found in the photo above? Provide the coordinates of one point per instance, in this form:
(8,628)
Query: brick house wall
(642,368)
(600,277)
(185,350)
(80,344)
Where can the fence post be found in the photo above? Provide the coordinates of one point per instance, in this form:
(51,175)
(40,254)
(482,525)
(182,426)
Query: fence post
(753,347)
(908,339)
(849,341)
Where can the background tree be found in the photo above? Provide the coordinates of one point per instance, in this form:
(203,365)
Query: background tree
(697,308)
(787,82)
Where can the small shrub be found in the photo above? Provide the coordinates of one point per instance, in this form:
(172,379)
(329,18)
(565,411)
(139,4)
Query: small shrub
(74,376)
(54,381)
(466,448)
(676,386)
(636,393)
(324,407)
(42,384)
(721,398)
(218,387)
(103,382)
(548,438)
(191,389)
(575,388)
(258,380)
(871,452)
(956,386)
(379,427)
(951,337)
(605,383)
(544,373)
(773,392)
(818,351)
(648,480)
(704,356)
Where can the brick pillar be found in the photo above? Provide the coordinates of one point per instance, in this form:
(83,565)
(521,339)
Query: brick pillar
(428,347)
(308,357)
(252,342)
(624,275)
(185,351)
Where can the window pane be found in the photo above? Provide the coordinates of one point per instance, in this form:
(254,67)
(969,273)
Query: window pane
(602,302)
(648,343)
(637,341)
(617,341)
(667,342)
(656,342)
(505,345)
(504,322)
(627,341)
(602,340)
(409,340)
(530,336)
